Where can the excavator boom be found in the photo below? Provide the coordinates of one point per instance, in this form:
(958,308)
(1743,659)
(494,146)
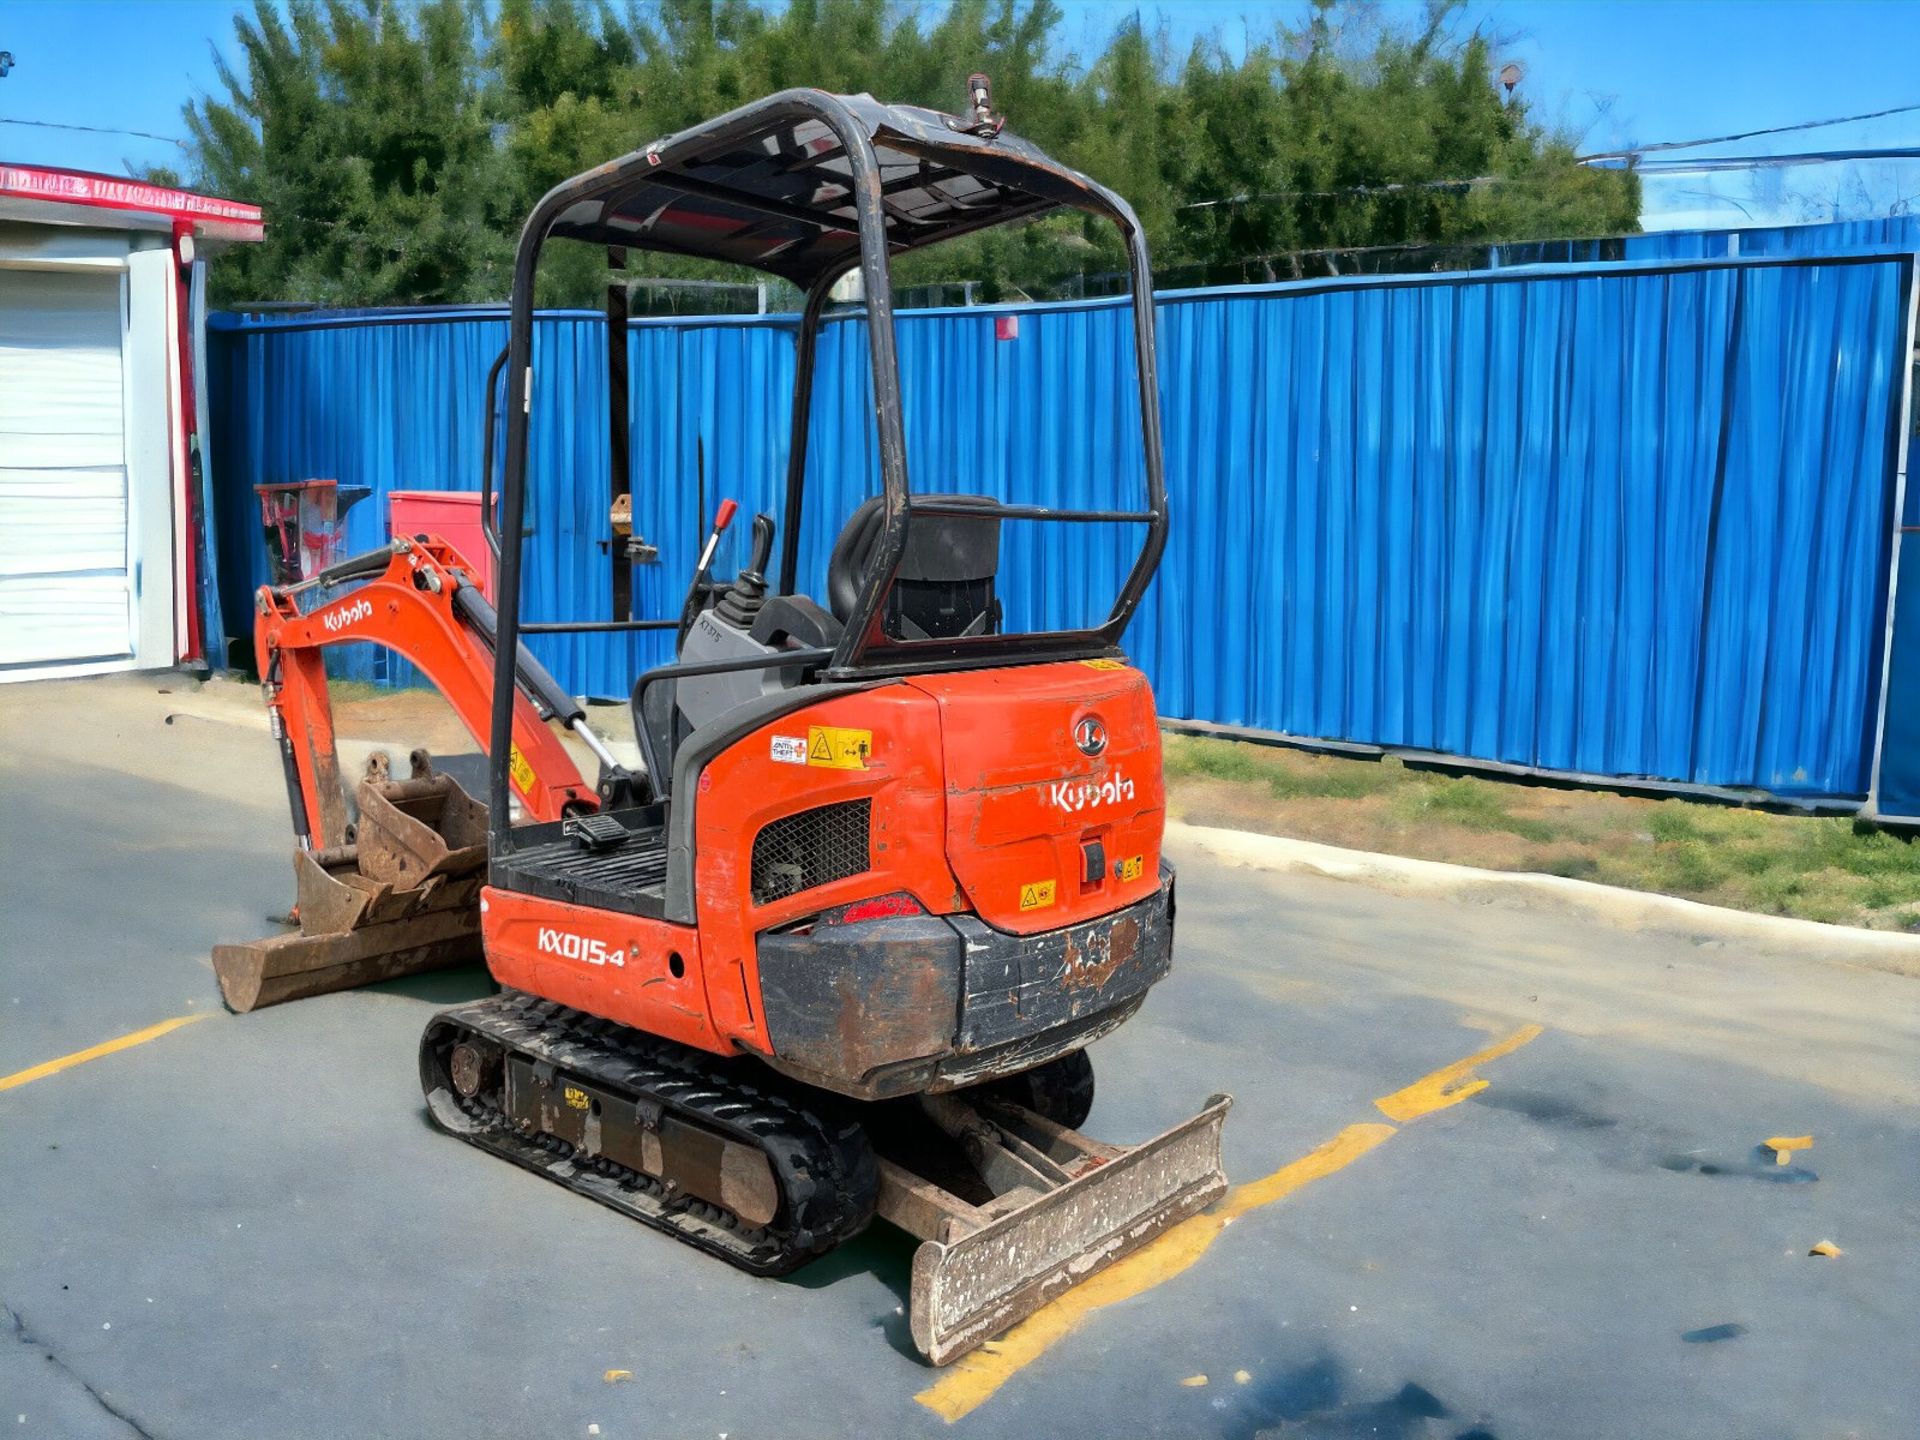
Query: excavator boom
(419,601)
(395,891)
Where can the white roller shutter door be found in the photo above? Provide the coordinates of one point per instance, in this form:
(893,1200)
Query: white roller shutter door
(64,573)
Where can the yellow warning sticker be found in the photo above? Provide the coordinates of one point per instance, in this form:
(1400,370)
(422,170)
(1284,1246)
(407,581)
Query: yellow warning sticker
(577,1098)
(833,748)
(1104,664)
(520,770)
(1129,868)
(1036,895)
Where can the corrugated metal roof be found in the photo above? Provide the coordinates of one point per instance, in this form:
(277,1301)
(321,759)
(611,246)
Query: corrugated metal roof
(1834,237)
(1884,234)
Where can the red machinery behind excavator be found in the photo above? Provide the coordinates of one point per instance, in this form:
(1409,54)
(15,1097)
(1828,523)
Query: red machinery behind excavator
(837,948)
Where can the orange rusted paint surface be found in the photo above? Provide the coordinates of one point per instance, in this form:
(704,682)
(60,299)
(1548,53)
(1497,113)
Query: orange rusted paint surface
(745,788)
(981,798)
(409,609)
(610,964)
(1023,800)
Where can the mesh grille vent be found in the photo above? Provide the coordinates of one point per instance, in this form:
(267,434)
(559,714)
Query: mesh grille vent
(814,847)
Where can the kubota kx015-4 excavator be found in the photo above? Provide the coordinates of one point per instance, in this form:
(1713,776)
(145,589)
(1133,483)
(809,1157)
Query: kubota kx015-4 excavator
(892,864)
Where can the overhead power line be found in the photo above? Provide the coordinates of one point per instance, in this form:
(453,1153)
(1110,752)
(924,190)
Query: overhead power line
(94,130)
(1704,163)
(1651,168)
(1393,189)
(1398,187)
(1632,151)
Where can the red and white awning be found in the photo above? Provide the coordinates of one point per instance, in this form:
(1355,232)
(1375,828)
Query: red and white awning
(33,192)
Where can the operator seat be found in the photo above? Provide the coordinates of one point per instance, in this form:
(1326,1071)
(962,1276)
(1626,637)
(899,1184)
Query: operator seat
(944,589)
(945,585)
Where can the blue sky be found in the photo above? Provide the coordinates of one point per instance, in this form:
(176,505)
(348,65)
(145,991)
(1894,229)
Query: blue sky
(1611,72)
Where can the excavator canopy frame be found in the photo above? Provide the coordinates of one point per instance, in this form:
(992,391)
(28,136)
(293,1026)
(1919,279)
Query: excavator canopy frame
(807,186)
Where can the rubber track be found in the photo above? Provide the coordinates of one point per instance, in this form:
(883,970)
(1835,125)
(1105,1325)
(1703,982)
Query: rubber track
(822,1161)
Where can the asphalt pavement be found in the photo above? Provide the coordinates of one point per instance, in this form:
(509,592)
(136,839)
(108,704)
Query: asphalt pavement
(245,1226)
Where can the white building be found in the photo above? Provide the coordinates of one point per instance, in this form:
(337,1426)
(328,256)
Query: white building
(102,299)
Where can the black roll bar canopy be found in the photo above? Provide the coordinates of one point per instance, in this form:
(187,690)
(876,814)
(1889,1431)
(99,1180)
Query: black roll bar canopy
(807,186)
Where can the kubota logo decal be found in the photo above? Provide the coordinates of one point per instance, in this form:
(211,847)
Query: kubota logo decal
(1090,735)
(1075,795)
(569,946)
(337,620)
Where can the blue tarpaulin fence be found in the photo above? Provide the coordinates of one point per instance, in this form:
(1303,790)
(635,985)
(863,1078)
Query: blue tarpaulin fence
(1896,780)
(1616,520)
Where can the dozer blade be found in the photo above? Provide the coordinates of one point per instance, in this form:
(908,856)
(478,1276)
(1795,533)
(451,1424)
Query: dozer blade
(979,1282)
(401,901)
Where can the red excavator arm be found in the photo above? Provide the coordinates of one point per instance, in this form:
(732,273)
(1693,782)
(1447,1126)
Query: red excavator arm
(402,896)
(420,602)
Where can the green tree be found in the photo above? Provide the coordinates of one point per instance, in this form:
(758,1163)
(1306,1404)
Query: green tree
(361,129)
(1336,136)
(397,149)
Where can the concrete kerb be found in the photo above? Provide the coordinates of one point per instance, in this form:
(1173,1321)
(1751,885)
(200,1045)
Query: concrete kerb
(1885,950)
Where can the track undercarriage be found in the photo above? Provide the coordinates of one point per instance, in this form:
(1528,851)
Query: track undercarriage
(675,1139)
(1012,1205)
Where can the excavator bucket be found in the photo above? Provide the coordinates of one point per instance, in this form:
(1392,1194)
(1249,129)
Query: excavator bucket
(1067,1207)
(400,900)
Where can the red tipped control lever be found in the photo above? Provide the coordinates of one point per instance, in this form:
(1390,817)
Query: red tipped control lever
(702,582)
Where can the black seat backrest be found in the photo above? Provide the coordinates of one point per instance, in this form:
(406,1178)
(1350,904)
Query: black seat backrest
(945,584)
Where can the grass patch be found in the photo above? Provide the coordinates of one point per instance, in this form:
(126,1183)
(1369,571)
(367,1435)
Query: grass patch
(1825,868)
(1286,774)
(1470,803)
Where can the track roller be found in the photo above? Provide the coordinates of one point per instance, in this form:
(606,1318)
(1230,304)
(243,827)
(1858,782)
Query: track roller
(706,1150)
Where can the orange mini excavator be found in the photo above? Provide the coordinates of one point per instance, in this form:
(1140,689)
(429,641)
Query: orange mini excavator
(892,862)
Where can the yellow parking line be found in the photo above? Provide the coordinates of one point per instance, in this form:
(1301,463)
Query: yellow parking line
(80,1057)
(973,1378)
(1452,1083)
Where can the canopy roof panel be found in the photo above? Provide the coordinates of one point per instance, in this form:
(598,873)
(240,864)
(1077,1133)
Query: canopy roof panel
(771,186)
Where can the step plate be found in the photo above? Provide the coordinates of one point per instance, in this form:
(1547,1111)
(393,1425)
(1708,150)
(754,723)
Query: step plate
(969,1290)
